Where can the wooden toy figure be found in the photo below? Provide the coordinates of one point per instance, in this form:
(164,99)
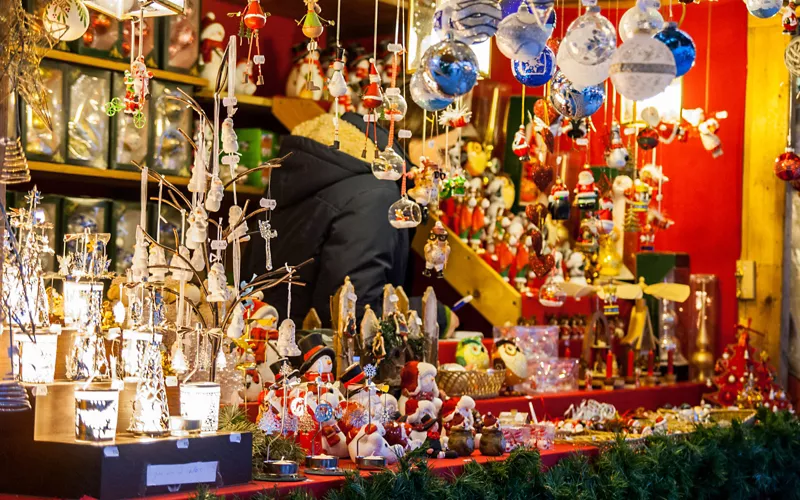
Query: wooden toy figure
(437,251)
(252,19)
(313,26)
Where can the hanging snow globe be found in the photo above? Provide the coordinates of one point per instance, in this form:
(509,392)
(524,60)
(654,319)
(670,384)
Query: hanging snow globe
(388,165)
(394,104)
(405,213)
(551,294)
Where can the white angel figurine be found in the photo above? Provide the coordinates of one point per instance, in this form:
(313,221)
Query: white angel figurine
(216,191)
(286,339)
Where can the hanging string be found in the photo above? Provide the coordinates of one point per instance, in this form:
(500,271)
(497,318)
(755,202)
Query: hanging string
(670,13)
(338,20)
(143,199)
(183,226)
(708,57)
(375,33)
(158,214)
(424,130)
(791,113)
(289,297)
(522,117)
(141,32)
(133,41)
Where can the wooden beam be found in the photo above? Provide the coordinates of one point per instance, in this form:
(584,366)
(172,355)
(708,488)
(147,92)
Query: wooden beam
(763,194)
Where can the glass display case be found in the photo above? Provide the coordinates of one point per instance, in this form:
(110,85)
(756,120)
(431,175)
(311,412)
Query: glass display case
(88,126)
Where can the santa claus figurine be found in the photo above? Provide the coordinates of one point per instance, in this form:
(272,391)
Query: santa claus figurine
(605,215)
(369,442)
(586,191)
(212,45)
(520,145)
(418,383)
(422,420)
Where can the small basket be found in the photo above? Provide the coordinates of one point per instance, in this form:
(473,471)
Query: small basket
(725,417)
(477,384)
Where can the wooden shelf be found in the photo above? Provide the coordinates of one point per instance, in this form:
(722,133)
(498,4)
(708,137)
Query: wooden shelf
(96,62)
(125,176)
(242,99)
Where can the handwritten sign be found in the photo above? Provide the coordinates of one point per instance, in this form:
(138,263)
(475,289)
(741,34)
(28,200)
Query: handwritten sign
(191,473)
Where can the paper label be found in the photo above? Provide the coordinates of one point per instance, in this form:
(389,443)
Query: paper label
(171,381)
(111,451)
(118,384)
(182,445)
(172,474)
(236,437)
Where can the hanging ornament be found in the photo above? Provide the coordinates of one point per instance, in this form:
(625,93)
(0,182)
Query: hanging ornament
(137,83)
(558,201)
(371,100)
(66,20)
(388,165)
(617,154)
(763,9)
(572,102)
(644,17)
(582,75)
(586,191)
(551,294)
(394,105)
(789,19)
(452,66)
(791,56)
(642,67)
(437,251)
(647,138)
(591,38)
(426,96)
(405,214)
(681,45)
(252,19)
(523,35)
(537,73)
(468,21)
(520,146)
(787,165)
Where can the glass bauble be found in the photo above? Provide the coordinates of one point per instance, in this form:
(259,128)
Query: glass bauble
(405,214)
(426,97)
(763,9)
(468,21)
(681,45)
(388,165)
(453,66)
(787,165)
(647,139)
(551,294)
(581,75)
(538,73)
(394,105)
(539,111)
(642,67)
(648,20)
(591,38)
(66,21)
(523,35)
(572,102)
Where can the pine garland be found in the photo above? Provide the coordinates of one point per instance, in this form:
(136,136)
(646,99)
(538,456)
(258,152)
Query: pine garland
(735,462)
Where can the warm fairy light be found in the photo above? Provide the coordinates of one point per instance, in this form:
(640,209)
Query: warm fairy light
(77,299)
(668,103)
(134,346)
(200,401)
(127,9)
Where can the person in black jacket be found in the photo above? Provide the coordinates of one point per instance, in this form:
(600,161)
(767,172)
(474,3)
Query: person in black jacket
(332,209)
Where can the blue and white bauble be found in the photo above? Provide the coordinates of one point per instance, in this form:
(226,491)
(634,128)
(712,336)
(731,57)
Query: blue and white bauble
(453,66)
(763,9)
(474,21)
(523,35)
(537,73)
(426,97)
(642,67)
(573,102)
(681,45)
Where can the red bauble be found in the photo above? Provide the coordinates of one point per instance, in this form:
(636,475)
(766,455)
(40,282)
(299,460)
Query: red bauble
(647,139)
(787,166)
(254,17)
(538,110)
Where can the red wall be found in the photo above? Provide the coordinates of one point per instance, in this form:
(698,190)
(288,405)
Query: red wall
(704,195)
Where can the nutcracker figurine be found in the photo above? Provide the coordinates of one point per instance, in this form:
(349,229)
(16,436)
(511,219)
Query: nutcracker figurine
(437,251)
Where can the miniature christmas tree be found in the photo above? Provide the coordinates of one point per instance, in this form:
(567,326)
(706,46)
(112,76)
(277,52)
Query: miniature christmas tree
(631,224)
(150,411)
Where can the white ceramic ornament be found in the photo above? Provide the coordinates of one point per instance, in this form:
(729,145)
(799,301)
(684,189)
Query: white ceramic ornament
(581,75)
(217,284)
(286,339)
(179,267)
(155,261)
(216,191)
(644,16)
(651,116)
(66,20)
(337,87)
(642,67)
(236,326)
(237,223)
(591,38)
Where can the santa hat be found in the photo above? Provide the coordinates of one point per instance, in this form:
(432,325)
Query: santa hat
(465,403)
(210,29)
(313,348)
(448,409)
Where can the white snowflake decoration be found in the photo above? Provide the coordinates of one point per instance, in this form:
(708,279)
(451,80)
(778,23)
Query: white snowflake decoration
(370,371)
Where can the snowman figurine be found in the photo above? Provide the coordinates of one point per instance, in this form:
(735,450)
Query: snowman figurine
(212,47)
(217,283)
(216,191)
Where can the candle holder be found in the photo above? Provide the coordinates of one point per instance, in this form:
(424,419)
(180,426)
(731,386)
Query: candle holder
(134,345)
(96,412)
(37,358)
(316,464)
(200,402)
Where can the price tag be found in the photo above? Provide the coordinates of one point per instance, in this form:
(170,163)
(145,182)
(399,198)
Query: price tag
(171,381)
(268,203)
(183,444)
(111,451)
(39,390)
(236,437)
(176,474)
(219,244)
(229,101)
(583,141)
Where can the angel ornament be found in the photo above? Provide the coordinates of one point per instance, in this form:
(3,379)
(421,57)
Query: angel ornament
(197,233)
(266,231)
(286,339)
(238,224)
(217,283)
(215,194)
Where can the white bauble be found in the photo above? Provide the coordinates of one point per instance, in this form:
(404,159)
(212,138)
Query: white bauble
(642,67)
(648,20)
(581,75)
(66,20)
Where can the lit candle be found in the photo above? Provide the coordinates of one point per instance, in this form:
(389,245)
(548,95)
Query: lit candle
(670,356)
(610,364)
(630,363)
(650,362)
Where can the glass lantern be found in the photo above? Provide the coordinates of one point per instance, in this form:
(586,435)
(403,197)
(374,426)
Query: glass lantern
(405,214)
(200,401)
(126,9)
(96,412)
(37,358)
(388,166)
(551,294)
(134,347)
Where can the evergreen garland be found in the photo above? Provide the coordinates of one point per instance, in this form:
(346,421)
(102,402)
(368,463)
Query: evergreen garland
(735,462)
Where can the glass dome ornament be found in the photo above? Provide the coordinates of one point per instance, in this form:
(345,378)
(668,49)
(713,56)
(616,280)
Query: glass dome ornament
(591,38)
(405,213)
(573,102)
(644,16)
(388,165)
(763,9)
(642,67)
(468,21)
(681,45)
(537,73)
(523,35)
(394,104)
(453,66)
(426,95)
(581,75)
(551,294)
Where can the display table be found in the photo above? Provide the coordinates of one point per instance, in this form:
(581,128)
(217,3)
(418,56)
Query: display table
(554,405)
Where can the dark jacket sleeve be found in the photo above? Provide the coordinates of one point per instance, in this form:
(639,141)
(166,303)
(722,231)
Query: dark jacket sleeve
(363,246)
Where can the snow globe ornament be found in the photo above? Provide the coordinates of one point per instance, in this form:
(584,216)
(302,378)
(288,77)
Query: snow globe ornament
(551,294)
(763,9)
(572,102)
(681,45)
(591,38)
(405,214)
(426,96)
(537,73)
(787,165)
(453,66)
(581,75)
(642,67)
(644,16)
(523,35)
(388,165)
(394,105)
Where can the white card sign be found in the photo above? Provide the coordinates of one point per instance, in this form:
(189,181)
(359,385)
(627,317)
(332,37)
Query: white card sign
(172,474)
